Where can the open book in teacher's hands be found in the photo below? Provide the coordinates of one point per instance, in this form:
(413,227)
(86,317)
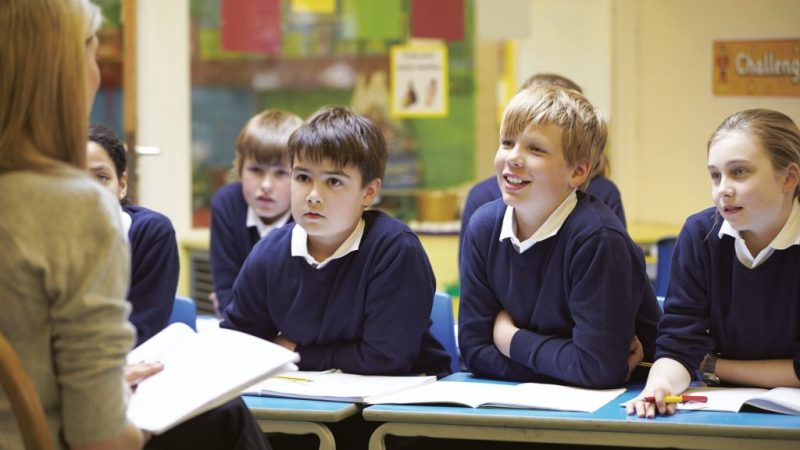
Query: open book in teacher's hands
(334,385)
(780,400)
(524,395)
(201,371)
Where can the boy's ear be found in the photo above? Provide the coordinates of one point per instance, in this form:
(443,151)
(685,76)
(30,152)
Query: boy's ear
(370,191)
(123,185)
(579,174)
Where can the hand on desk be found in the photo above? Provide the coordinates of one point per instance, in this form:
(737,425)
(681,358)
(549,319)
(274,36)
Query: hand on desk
(635,356)
(667,377)
(282,341)
(504,330)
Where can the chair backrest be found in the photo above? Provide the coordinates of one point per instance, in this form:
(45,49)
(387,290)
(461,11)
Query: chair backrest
(24,400)
(664,248)
(442,326)
(184,311)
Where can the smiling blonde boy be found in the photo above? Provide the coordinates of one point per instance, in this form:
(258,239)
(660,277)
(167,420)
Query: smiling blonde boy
(344,287)
(553,288)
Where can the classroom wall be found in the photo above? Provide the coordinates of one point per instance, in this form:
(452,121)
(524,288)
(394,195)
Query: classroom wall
(665,80)
(648,65)
(163,109)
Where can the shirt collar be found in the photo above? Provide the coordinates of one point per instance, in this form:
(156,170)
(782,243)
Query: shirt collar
(300,245)
(263,229)
(787,237)
(549,228)
(127,220)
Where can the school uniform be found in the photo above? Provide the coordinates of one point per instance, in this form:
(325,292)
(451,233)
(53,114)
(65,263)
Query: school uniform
(488,190)
(577,289)
(364,310)
(722,299)
(154,269)
(235,229)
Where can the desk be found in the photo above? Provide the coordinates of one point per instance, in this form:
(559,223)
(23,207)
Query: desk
(607,426)
(296,416)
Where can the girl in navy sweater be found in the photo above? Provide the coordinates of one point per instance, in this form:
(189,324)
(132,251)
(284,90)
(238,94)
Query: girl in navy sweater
(732,310)
(154,278)
(247,210)
(154,250)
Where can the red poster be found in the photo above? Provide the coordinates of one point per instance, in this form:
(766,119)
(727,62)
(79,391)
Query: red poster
(439,19)
(252,26)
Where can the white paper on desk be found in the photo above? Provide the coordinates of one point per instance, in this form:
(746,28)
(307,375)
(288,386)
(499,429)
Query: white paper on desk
(337,386)
(524,395)
(201,371)
(779,400)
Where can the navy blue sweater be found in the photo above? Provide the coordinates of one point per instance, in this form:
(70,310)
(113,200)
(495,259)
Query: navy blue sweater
(154,270)
(366,313)
(578,298)
(714,303)
(231,239)
(488,190)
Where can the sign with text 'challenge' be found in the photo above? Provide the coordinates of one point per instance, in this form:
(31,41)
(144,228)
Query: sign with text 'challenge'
(757,68)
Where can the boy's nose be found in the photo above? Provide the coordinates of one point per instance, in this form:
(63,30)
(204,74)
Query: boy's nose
(513,158)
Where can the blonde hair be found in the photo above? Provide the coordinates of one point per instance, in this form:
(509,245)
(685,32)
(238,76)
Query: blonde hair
(550,79)
(44,117)
(776,132)
(265,138)
(583,130)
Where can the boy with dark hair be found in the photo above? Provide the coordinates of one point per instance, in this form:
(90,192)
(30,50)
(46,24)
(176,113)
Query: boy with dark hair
(345,288)
(553,288)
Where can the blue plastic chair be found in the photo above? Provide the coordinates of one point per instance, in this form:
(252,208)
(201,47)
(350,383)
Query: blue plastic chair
(184,311)
(442,326)
(664,248)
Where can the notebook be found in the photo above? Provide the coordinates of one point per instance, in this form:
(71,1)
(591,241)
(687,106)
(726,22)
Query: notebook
(524,395)
(780,400)
(334,385)
(201,371)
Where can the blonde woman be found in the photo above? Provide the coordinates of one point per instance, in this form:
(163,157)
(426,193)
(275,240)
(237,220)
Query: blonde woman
(64,270)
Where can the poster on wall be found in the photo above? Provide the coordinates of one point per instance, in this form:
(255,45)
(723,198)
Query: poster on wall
(419,81)
(757,68)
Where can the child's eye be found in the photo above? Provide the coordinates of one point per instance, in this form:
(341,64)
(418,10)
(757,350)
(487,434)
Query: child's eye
(507,143)
(335,182)
(715,176)
(536,149)
(255,170)
(102,178)
(301,177)
(740,171)
(281,172)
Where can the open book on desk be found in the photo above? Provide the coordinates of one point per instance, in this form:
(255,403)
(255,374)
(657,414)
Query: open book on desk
(524,395)
(201,371)
(333,385)
(780,400)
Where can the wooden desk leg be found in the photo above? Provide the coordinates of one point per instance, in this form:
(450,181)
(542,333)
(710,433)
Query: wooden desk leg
(326,441)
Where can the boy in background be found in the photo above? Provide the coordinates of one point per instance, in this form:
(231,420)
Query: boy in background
(247,210)
(553,288)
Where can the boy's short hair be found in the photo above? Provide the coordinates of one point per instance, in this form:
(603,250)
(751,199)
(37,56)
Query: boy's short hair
(343,137)
(583,130)
(550,79)
(264,138)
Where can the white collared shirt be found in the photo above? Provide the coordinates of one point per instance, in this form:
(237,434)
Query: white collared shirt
(263,229)
(787,237)
(549,228)
(127,220)
(300,245)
